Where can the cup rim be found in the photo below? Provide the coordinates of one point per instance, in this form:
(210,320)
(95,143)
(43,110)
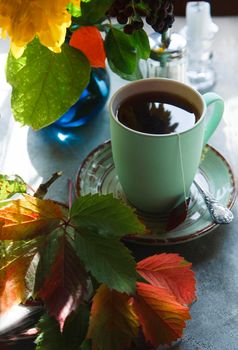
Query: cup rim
(139,82)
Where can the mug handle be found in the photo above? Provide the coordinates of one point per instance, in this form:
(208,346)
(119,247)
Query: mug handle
(216,116)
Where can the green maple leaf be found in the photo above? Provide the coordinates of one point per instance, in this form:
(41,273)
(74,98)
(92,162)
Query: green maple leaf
(108,260)
(100,221)
(105,215)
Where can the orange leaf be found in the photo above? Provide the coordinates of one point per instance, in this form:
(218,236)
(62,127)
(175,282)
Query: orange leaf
(12,283)
(171,272)
(89,41)
(65,285)
(28,217)
(162,318)
(113,323)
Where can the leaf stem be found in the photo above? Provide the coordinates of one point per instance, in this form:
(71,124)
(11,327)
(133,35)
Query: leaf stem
(43,188)
(70,186)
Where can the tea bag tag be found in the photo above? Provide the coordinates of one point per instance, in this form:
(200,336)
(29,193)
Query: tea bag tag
(182,169)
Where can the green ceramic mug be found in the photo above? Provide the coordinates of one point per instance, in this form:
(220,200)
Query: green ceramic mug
(157,170)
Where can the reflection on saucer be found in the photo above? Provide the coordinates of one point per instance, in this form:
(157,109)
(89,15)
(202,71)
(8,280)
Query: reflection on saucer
(97,175)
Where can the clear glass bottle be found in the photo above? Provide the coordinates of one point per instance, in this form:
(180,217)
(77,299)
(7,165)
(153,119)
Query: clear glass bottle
(199,33)
(167,57)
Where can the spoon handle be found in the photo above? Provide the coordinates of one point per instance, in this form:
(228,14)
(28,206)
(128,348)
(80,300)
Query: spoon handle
(219,213)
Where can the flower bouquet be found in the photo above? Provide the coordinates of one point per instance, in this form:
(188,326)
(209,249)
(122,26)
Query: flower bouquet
(55,44)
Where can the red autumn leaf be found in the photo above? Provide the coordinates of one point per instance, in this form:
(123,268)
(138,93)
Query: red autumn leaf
(64,288)
(28,217)
(13,289)
(172,272)
(162,318)
(177,215)
(89,41)
(113,323)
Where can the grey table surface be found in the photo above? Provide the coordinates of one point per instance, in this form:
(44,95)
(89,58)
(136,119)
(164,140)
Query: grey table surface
(36,155)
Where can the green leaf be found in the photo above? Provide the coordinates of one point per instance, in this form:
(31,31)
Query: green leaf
(76,327)
(50,337)
(46,84)
(108,260)
(10,185)
(73,335)
(93,12)
(73,10)
(125,51)
(131,77)
(105,215)
(86,345)
(141,43)
(121,52)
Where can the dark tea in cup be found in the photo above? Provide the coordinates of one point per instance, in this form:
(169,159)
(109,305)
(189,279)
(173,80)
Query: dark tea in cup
(157,113)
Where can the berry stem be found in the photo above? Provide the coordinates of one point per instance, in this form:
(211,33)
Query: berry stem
(165,39)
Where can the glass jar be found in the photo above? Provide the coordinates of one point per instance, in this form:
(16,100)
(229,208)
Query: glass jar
(167,57)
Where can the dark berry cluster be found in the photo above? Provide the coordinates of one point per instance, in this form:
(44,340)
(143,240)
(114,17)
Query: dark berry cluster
(130,13)
(161,16)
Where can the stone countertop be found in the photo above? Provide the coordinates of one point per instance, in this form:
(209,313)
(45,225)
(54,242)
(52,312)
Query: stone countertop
(35,156)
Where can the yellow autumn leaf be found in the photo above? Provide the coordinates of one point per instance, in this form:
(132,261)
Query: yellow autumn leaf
(28,218)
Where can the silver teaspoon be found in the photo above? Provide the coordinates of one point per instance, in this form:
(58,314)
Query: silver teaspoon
(219,213)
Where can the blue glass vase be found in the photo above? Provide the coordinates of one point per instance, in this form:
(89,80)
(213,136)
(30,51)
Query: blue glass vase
(90,103)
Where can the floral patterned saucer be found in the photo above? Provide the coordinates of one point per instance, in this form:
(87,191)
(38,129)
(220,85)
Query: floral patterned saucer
(97,175)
